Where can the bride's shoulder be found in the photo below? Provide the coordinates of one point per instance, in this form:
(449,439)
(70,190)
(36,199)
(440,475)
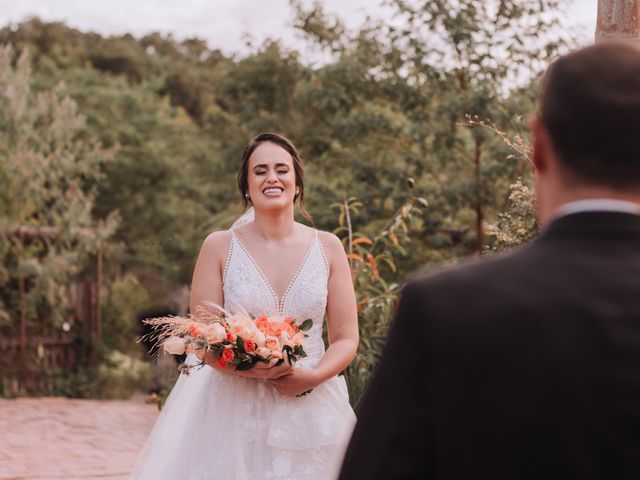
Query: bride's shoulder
(331,244)
(217,242)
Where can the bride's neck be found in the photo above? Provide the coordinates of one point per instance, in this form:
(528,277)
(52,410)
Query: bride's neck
(274,226)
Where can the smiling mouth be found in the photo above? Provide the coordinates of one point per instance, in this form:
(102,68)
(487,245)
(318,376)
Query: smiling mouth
(272,191)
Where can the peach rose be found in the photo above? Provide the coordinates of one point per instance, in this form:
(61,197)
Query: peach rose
(263,352)
(272,343)
(239,331)
(215,333)
(231,337)
(174,345)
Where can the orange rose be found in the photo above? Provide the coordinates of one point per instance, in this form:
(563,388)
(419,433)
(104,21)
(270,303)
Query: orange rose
(221,363)
(249,346)
(194,330)
(262,322)
(227,355)
(274,329)
(231,337)
(289,329)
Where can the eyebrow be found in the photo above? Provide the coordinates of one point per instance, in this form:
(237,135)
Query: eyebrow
(278,165)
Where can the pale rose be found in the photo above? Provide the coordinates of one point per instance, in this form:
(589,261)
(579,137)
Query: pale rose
(239,331)
(272,343)
(298,339)
(263,352)
(276,354)
(285,339)
(259,338)
(174,345)
(241,328)
(216,333)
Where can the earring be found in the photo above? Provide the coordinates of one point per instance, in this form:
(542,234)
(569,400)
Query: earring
(246,195)
(297,190)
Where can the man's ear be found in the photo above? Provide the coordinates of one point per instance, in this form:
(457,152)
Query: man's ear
(541,146)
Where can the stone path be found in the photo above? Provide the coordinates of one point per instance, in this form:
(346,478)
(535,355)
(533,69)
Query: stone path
(60,438)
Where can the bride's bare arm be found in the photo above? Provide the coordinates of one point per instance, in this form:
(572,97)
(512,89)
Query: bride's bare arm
(342,323)
(342,314)
(206,284)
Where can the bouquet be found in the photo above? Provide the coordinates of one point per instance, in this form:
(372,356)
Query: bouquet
(234,338)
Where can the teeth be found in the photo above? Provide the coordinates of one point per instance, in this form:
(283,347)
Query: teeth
(272,190)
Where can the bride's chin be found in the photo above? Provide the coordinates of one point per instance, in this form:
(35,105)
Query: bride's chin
(273,204)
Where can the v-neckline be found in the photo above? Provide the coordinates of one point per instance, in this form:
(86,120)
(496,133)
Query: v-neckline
(279,300)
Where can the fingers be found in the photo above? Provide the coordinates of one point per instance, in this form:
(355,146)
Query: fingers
(270,364)
(280,371)
(280,374)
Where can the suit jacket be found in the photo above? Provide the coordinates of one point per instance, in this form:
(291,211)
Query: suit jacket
(524,366)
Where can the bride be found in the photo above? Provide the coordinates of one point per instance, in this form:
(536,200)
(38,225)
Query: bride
(269,422)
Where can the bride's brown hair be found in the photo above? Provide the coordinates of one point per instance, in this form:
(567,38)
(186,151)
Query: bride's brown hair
(298,168)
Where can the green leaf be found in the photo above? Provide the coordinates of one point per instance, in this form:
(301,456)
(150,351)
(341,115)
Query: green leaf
(240,344)
(306,325)
(246,365)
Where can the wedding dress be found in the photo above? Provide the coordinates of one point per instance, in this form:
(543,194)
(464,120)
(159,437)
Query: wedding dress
(220,426)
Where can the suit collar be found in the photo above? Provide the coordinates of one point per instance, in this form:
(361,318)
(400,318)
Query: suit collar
(594,225)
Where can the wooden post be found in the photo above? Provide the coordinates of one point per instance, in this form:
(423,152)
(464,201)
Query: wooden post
(98,309)
(24,370)
(618,20)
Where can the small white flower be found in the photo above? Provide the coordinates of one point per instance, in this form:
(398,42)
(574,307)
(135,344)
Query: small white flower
(174,345)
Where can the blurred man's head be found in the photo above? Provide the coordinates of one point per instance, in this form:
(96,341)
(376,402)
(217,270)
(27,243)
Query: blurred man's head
(587,134)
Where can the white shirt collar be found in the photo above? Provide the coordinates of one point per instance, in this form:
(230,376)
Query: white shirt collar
(597,205)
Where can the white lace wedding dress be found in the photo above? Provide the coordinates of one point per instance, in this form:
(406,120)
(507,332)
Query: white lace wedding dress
(224,427)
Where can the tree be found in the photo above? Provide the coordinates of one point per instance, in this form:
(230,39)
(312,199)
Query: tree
(618,20)
(48,175)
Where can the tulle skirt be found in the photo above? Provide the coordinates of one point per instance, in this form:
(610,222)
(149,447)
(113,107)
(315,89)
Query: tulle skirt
(220,426)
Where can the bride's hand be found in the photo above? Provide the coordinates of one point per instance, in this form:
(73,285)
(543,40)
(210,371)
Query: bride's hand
(270,370)
(297,381)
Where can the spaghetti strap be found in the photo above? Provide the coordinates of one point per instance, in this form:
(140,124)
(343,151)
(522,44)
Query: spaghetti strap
(229,253)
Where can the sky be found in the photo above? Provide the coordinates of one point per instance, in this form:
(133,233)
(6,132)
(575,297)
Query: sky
(224,24)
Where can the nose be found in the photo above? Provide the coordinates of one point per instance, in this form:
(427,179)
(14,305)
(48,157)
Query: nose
(271,176)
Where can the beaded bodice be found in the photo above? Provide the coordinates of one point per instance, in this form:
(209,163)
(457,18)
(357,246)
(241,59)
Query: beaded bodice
(245,285)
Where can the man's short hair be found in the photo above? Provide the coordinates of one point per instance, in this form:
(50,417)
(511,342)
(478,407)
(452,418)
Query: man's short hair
(590,104)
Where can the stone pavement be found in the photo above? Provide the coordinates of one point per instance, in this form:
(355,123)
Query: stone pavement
(60,438)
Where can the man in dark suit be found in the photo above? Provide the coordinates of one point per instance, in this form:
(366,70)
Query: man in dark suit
(527,366)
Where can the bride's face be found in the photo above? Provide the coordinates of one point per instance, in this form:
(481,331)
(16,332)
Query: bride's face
(271,177)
